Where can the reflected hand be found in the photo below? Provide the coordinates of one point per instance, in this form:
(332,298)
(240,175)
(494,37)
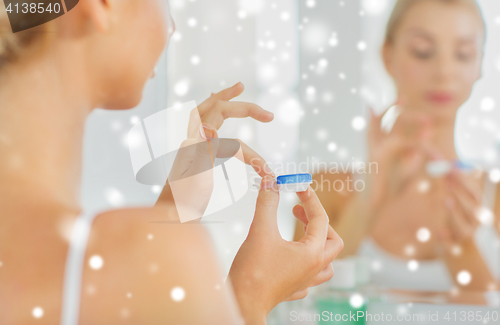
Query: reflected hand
(463,204)
(398,154)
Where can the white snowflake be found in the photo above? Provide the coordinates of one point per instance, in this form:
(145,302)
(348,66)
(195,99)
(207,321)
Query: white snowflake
(177,294)
(96,262)
(464,277)
(37,312)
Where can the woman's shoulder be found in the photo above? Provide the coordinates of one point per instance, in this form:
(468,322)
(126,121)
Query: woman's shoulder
(154,232)
(138,226)
(136,258)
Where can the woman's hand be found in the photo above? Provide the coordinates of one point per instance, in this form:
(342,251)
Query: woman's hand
(192,171)
(268,269)
(216,109)
(463,204)
(457,233)
(326,273)
(399,154)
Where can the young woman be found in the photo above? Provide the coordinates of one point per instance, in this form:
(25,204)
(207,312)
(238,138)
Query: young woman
(120,266)
(420,231)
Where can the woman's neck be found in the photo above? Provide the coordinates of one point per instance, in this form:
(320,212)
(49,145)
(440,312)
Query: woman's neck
(42,117)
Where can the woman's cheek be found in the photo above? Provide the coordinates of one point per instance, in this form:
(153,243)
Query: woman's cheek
(412,78)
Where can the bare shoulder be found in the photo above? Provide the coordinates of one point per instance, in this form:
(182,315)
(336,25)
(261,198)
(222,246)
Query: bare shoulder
(141,266)
(139,225)
(147,234)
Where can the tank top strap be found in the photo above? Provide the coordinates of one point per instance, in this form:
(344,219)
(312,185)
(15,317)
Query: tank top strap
(74,269)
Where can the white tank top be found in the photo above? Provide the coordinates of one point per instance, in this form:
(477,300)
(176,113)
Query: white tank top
(393,272)
(74,269)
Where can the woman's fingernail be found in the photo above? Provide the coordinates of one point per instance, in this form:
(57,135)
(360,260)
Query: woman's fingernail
(202,133)
(208,132)
(267,183)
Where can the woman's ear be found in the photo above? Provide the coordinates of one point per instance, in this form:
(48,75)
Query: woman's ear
(98,12)
(387,57)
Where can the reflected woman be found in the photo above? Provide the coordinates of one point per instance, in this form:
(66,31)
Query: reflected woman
(433,51)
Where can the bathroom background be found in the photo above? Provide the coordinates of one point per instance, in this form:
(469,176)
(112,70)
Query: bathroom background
(314,63)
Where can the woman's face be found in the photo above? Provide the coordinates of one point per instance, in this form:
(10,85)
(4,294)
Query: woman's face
(126,56)
(435,57)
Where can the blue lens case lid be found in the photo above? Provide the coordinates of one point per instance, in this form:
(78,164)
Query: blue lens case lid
(294,179)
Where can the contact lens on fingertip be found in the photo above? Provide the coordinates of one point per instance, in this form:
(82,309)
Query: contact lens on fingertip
(389,119)
(293,182)
(438,168)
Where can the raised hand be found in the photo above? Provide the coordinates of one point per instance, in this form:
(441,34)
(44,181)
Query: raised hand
(190,182)
(398,154)
(463,203)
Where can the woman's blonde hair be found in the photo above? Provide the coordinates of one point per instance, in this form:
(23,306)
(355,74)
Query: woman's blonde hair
(403,6)
(15,45)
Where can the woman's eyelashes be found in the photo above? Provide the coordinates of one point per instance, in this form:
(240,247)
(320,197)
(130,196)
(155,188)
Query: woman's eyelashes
(465,57)
(466,54)
(421,46)
(428,53)
(422,54)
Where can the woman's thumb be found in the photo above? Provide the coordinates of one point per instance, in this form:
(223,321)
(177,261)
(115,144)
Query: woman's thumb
(266,210)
